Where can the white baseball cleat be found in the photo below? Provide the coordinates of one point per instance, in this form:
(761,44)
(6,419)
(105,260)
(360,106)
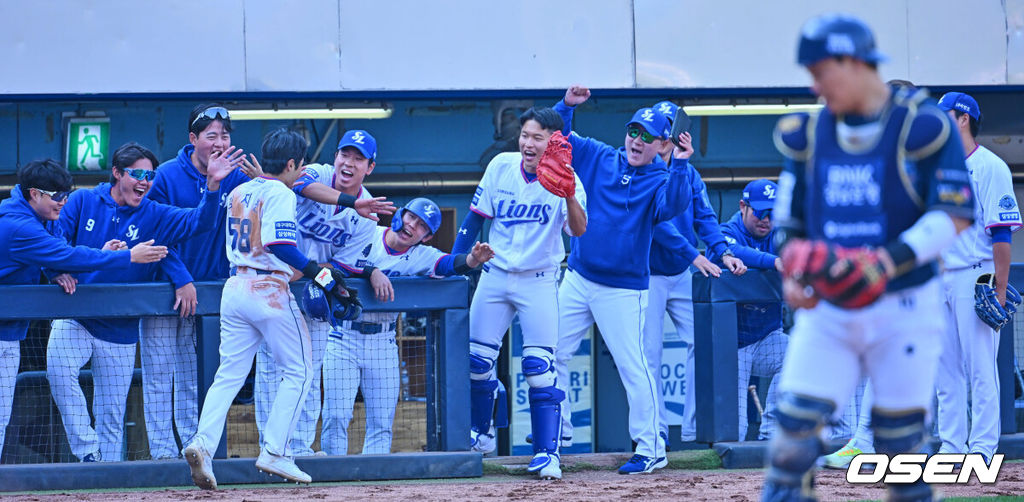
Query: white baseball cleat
(546,465)
(483,442)
(281,466)
(201,465)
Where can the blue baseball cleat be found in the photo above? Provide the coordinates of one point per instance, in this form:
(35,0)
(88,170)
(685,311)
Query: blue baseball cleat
(640,464)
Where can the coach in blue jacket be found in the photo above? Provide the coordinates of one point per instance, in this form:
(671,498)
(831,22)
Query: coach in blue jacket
(30,240)
(115,210)
(762,344)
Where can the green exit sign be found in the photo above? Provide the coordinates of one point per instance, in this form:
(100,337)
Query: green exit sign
(88,144)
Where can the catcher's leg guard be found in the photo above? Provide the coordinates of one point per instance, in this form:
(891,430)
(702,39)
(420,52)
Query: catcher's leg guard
(545,398)
(794,448)
(901,432)
(483,386)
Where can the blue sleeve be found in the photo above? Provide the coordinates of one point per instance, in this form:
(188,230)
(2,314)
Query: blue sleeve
(289,254)
(667,235)
(178,223)
(1001,234)
(35,246)
(704,218)
(565,111)
(446,265)
(751,257)
(584,150)
(173,267)
(69,215)
(158,192)
(675,196)
(467,232)
(304,181)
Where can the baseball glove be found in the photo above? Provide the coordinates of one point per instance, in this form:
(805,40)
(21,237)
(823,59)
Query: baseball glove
(554,171)
(848,278)
(986,302)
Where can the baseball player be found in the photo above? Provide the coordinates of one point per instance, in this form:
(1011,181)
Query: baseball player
(674,258)
(362,353)
(167,344)
(32,240)
(969,345)
(526,232)
(257,306)
(333,235)
(629,191)
(115,210)
(874,188)
(762,343)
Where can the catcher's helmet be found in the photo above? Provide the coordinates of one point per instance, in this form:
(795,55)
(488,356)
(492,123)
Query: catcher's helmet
(422,207)
(833,35)
(319,305)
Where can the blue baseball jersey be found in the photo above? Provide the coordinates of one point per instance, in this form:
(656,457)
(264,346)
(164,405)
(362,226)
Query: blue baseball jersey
(754,321)
(179,183)
(675,241)
(624,203)
(861,182)
(28,244)
(91,218)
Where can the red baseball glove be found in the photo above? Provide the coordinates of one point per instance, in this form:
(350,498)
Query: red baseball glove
(848,278)
(554,171)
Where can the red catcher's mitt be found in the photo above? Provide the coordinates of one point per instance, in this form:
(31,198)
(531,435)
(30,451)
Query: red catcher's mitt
(848,278)
(554,170)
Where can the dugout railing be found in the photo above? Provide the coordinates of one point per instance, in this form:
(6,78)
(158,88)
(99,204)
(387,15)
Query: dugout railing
(444,301)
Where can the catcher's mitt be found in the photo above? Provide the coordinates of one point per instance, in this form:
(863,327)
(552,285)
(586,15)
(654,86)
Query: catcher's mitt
(986,302)
(554,170)
(848,278)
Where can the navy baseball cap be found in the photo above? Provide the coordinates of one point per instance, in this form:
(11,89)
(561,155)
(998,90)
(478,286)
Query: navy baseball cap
(760,196)
(834,35)
(360,140)
(668,109)
(960,102)
(652,120)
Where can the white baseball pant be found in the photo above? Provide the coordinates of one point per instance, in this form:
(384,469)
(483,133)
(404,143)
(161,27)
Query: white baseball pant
(169,382)
(10,359)
(253,309)
(265,390)
(619,314)
(69,348)
(764,359)
(360,361)
(968,360)
(891,341)
(672,294)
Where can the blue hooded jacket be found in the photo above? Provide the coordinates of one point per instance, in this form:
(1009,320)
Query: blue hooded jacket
(91,218)
(675,242)
(28,244)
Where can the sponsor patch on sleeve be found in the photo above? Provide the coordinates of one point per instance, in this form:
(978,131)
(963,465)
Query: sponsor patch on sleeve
(1010,216)
(1007,202)
(285,230)
(476,196)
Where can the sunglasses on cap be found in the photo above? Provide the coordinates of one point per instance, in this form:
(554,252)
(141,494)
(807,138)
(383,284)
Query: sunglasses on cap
(56,196)
(212,113)
(646,137)
(141,174)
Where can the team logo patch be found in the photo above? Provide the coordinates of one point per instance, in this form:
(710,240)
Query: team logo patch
(358,137)
(840,43)
(1007,202)
(647,115)
(1012,216)
(664,108)
(769,192)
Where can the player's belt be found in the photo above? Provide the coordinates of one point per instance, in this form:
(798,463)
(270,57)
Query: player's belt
(257,271)
(368,328)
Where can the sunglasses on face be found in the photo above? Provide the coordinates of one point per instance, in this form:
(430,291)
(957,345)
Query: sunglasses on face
(645,136)
(141,174)
(216,112)
(762,214)
(56,196)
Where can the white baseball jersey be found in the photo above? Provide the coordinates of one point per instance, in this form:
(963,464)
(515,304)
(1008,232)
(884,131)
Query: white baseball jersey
(329,233)
(996,206)
(528,220)
(261,212)
(417,260)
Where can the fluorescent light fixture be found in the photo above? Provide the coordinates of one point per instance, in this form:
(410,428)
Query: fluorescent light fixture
(717,110)
(311,113)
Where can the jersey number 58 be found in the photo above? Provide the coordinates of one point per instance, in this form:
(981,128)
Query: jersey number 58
(239,229)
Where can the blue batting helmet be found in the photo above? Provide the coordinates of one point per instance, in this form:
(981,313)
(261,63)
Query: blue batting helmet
(834,35)
(422,207)
(319,305)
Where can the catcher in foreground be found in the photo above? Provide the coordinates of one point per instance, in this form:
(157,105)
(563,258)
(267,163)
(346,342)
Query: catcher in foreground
(873,189)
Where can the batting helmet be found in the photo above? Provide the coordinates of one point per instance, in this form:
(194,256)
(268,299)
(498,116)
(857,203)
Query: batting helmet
(834,35)
(319,305)
(422,207)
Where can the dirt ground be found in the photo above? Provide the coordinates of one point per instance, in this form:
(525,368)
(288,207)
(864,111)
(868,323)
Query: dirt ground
(666,484)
